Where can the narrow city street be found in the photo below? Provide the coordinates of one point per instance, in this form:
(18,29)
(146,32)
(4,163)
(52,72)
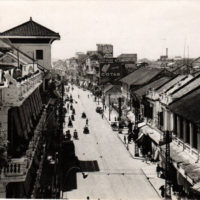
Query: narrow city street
(118,175)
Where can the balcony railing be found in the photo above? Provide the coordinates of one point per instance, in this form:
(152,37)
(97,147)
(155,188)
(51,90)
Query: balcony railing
(15,167)
(28,84)
(20,90)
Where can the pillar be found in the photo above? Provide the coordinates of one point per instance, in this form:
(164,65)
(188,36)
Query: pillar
(178,127)
(198,139)
(165,120)
(184,131)
(1,71)
(191,134)
(4,125)
(2,190)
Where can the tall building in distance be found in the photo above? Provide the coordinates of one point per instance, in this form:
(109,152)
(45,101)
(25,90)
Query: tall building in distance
(106,50)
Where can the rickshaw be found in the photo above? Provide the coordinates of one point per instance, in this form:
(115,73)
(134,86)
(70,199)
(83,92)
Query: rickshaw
(83,115)
(114,126)
(73,112)
(86,130)
(70,125)
(75,136)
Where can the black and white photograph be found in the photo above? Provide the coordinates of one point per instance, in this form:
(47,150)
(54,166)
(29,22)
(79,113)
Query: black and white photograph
(100,99)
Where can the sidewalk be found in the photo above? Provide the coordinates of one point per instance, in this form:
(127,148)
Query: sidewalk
(150,169)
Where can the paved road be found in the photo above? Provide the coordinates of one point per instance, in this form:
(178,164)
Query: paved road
(120,176)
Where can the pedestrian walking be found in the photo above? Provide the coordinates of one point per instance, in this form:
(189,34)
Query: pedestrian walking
(127,147)
(162,189)
(102,115)
(158,169)
(148,157)
(124,139)
(88,96)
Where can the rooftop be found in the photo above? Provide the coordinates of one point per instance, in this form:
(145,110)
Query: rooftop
(188,106)
(30,28)
(194,83)
(153,85)
(141,76)
(170,83)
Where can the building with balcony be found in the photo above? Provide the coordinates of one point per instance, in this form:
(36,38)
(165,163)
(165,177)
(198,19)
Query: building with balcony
(24,107)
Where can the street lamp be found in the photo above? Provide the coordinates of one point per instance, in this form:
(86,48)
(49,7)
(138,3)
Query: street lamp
(109,106)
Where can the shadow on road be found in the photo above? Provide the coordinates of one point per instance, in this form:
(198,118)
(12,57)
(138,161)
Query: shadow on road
(70,165)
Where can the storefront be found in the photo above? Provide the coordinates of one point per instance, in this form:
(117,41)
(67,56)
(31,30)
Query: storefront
(151,144)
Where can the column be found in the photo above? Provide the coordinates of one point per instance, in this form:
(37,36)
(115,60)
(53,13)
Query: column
(178,127)
(165,119)
(4,125)
(198,139)
(1,71)
(191,134)
(3,190)
(184,131)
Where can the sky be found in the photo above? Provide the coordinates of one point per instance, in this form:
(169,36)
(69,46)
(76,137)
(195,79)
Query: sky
(144,27)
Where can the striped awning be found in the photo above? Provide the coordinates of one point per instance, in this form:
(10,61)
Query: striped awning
(23,122)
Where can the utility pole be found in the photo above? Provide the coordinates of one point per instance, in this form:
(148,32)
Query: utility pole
(136,130)
(109,105)
(136,105)
(120,108)
(167,137)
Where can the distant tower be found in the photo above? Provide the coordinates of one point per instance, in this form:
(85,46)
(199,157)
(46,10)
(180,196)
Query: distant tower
(166,52)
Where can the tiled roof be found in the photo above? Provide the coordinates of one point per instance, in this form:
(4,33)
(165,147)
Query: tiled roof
(170,83)
(141,76)
(194,83)
(4,45)
(30,28)
(155,84)
(188,106)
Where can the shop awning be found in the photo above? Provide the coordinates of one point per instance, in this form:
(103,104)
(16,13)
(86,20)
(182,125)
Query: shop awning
(196,187)
(17,122)
(22,120)
(177,154)
(153,134)
(141,124)
(184,163)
